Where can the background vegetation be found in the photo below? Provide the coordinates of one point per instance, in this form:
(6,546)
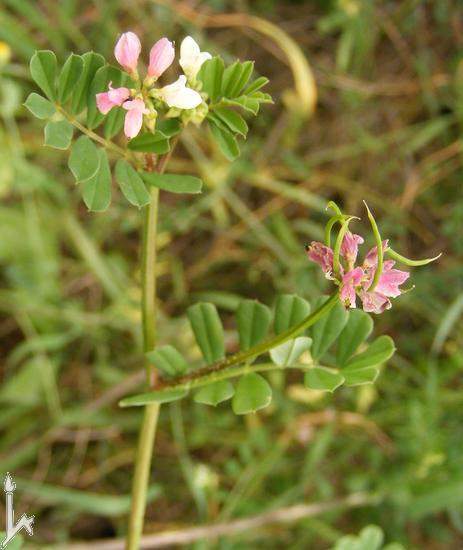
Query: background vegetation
(386,128)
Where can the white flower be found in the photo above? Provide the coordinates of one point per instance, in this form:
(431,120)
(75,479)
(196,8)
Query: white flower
(191,57)
(179,96)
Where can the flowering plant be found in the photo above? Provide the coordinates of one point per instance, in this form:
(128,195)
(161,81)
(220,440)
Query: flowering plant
(99,101)
(88,93)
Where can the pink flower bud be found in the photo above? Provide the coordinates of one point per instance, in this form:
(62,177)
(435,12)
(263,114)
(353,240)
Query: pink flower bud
(161,57)
(127,51)
(114,97)
(134,118)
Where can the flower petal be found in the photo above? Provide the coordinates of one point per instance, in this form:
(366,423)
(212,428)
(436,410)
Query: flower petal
(191,57)
(133,123)
(351,280)
(371,259)
(374,302)
(322,255)
(390,281)
(179,96)
(127,51)
(104,103)
(162,55)
(349,247)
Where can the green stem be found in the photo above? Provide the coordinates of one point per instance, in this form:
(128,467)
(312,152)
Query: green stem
(149,276)
(329,226)
(234,365)
(92,135)
(151,412)
(259,349)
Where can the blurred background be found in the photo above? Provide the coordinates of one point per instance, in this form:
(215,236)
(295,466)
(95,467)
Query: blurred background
(368,105)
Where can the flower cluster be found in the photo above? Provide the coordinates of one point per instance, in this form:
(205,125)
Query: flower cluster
(357,281)
(145,97)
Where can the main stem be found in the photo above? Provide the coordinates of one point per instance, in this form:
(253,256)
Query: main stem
(151,412)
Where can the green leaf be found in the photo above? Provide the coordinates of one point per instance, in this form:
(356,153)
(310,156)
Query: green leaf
(58,134)
(231,74)
(168,360)
(233,120)
(169,126)
(253,321)
(210,75)
(161,396)
(356,331)
(287,354)
(131,184)
(226,141)
(321,378)
(39,106)
(84,160)
(91,63)
(371,538)
(432,498)
(236,77)
(96,191)
(174,183)
(157,143)
(256,85)
(327,329)
(43,67)
(114,122)
(215,393)
(246,103)
(360,376)
(261,97)
(377,352)
(252,393)
(20,387)
(289,311)
(208,331)
(69,76)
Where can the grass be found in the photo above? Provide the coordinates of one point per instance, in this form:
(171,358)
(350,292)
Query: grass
(386,129)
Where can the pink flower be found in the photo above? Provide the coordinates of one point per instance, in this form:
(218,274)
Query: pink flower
(371,259)
(115,97)
(321,255)
(161,57)
(127,51)
(350,281)
(350,247)
(391,279)
(388,286)
(134,118)
(374,302)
